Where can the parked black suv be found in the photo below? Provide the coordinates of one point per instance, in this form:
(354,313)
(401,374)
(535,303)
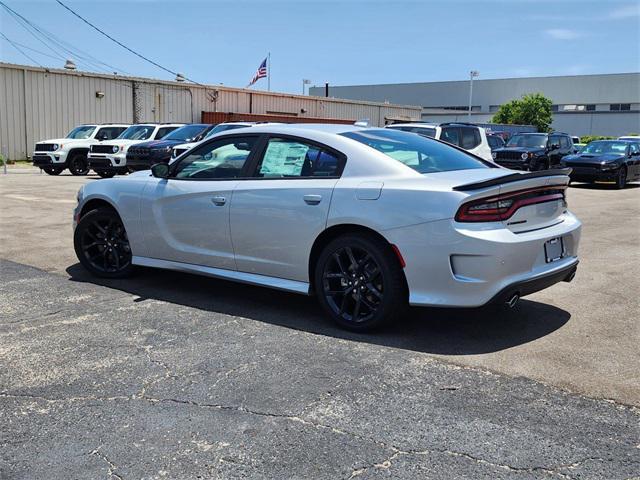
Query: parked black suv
(534,151)
(142,155)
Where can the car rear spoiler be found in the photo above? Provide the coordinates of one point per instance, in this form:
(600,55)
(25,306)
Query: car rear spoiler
(515,177)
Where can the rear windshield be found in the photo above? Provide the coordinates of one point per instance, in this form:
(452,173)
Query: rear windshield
(422,154)
(426,131)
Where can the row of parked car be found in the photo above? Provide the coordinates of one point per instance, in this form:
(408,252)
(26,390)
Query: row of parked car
(112,149)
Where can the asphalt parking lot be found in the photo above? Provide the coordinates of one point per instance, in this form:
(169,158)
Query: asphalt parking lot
(168,375)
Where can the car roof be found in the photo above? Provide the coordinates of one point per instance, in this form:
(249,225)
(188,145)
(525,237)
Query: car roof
(425,125)
(300,128)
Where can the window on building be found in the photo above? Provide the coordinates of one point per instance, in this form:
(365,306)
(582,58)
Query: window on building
(614,107)
(554,108)
(495,108)
(625,106)
(591,108)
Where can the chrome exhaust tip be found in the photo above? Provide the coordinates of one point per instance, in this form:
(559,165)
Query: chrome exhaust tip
(513,300)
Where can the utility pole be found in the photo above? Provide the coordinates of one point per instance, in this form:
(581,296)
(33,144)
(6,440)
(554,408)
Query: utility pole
(472,75)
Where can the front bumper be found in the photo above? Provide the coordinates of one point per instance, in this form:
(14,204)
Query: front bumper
(593,174)
(49,159)
(139,162)
(513,164)
(450,264)
(107,163)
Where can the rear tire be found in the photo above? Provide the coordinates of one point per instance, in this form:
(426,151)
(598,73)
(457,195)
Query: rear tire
(621,179)
(78,164)
(53,170)
(101,244)
(359,282)
(104,174)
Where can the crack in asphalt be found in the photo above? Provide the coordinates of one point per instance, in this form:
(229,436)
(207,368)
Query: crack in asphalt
(112,467)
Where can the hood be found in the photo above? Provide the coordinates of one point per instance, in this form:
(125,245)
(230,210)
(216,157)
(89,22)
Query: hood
(520,149)
(160,143)
(124,141)
(185,145)
(63,140)
(592,158)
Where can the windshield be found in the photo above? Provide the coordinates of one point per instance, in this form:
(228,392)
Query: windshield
(529,141)
(605,147)
(422,154)
(186,133)
(223,127)
(137,132)
(82,132)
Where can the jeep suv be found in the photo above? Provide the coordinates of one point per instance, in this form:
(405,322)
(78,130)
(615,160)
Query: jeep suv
(53,156)
(534,151)
(143,155)
(109,158)
(468,136)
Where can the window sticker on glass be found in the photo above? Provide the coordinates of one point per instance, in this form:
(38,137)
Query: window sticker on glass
(283,159)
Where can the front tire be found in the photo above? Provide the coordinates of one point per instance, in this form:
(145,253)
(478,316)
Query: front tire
(101,244)
(621,179)
(78,165)
(359,282)
(52,170)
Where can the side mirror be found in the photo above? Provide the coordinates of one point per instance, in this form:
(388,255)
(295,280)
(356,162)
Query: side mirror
(160,170)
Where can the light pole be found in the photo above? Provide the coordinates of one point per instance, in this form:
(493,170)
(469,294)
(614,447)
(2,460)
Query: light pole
(472,75)
(305,81)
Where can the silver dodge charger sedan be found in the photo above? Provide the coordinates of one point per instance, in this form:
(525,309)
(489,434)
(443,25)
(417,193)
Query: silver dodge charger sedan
(369,220)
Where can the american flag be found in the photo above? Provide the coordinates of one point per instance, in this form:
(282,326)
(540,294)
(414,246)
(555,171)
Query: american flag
(260,73)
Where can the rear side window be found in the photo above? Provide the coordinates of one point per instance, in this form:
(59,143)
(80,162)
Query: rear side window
(422,154)
(469,138)
(554,140)
(565,142)
(285,158)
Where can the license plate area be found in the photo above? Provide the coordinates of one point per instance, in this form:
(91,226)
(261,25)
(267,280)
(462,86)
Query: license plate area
(554,249)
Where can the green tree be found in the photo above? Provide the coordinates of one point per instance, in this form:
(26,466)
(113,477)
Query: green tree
(532,109)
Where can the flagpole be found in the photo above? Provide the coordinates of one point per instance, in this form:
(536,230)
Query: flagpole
(269,71)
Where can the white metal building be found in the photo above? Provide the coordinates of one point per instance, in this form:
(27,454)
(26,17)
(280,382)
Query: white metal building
(607,104)
(38,103)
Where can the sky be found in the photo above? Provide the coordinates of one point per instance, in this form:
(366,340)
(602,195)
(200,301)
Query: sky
(341,42)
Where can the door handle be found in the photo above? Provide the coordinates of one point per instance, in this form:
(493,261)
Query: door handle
(219,200)
(312,199)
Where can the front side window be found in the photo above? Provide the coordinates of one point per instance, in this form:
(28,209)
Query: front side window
(82,132)
(284,158)
(137,132)
(219,159)
(109,133)
(554,141)
(422,154)
(450,135)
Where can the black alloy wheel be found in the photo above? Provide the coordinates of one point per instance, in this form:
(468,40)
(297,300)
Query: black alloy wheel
(53,170)
(360,283)
(78,164)
(102,245)
(104,174)
(621,178)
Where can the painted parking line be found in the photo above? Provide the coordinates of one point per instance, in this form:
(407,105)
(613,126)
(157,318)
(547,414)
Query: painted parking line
(29,198)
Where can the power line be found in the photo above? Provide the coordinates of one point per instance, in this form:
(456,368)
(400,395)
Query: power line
(120,43)
(45,36)
(20,50)
(29,48)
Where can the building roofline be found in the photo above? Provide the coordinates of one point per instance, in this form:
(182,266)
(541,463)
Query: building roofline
(187,85)
(481,80)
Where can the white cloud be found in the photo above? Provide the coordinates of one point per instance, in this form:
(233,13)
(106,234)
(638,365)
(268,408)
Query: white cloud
(628,11)
(562,34)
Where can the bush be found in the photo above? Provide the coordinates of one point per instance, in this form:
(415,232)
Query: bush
(591,138)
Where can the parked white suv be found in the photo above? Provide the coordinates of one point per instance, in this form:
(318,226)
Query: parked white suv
(54,155)
(109,158)
(464,135)
(221,127)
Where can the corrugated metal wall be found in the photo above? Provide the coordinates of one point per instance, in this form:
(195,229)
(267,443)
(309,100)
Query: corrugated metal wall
(37,104)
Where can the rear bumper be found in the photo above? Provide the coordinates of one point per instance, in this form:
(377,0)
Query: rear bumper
(449,264)
(532,285)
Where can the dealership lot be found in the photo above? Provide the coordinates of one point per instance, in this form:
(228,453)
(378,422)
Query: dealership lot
(170,375)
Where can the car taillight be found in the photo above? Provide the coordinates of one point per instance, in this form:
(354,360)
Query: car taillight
(502,207)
